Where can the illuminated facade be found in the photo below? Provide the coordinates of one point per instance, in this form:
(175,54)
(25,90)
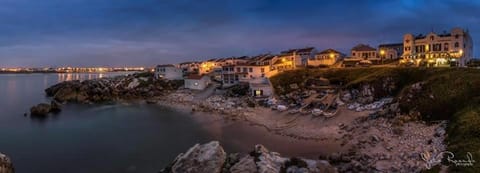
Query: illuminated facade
(169,72)
(434,50)
(390,51)
(325,58)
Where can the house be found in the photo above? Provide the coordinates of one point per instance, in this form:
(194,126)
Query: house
(294,58)
(169,72)
(260,88)
(447,49)
(325,58)
(207,67)
(197,82)
(364,52)
(190,67)
(390,51)
(256,67)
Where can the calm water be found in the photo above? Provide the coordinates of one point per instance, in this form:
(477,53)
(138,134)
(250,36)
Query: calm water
(113,138)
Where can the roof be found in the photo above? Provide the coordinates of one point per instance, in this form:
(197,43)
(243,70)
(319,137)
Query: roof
(327,51)
(166,65)
(301,50)
(391,45)
(194,76)
(363,47)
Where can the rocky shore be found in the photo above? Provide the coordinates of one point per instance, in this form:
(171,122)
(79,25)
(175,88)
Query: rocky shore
(136,86)
(6,165)
(212,158)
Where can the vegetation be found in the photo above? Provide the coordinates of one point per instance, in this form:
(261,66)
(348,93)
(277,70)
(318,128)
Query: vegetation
(451,94)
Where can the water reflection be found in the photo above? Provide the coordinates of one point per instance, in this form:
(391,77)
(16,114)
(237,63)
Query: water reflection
(79,76)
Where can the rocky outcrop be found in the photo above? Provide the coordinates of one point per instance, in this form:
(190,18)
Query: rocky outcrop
(6,165)
(210,157)
(43,109)
(137,86)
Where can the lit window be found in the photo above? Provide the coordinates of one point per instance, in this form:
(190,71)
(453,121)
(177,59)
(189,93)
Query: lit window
(258,92)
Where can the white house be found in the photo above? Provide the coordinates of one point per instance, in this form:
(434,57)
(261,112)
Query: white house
(363,51)
(260,88)
(294,58)
(325,58)
(197,82)
(169,72)
(257,67)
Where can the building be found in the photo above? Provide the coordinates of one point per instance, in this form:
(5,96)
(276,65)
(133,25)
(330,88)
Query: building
(295,57)
(169,72)
(325,58)
(190,67)
(256,67)
(364,52)
(260,88)
(207,67)
(447,49)
(197,82)
(390,51)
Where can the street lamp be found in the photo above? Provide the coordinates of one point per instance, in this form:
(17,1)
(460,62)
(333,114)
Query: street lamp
(382,54)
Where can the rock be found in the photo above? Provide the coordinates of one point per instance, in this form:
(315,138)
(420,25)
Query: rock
(439,132)
(6,165)
(133,84)
(282,107)
(55,107)
(375,138)
(208,157)
(268,162)
(294,86)
(211,158)
(397,131)
(41,109)
(245,165)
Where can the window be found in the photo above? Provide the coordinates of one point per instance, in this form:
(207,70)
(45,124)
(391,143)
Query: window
(250,69)
(238,69)
(457,44)
(456,36)
(407,41)
(244,69)
(445,46)
(353,53)
(431,37)
(262,70)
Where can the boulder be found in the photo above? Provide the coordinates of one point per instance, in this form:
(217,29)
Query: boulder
(6,165)
(245,165)
(55,107)
(268,162)
(208,157)
(41,109)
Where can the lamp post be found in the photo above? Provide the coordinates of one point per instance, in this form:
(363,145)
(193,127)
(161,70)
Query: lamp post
(382,55)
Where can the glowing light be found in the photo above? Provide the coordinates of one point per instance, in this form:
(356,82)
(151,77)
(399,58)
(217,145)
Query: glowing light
(332,55)
(461,52)
(382,52)
(427,47)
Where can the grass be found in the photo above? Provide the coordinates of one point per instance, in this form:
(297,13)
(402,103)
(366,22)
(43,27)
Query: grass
(451,94)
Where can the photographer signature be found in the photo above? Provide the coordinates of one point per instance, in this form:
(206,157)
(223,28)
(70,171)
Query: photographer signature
(432,161)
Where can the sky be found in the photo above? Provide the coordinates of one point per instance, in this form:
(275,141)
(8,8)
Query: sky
(148,32)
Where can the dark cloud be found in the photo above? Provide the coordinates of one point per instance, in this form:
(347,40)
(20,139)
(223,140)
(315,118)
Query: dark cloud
(148,32)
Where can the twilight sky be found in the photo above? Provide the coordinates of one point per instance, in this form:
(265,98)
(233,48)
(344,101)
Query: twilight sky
(149,32)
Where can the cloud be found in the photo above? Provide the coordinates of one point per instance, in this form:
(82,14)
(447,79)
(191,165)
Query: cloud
(148,32)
